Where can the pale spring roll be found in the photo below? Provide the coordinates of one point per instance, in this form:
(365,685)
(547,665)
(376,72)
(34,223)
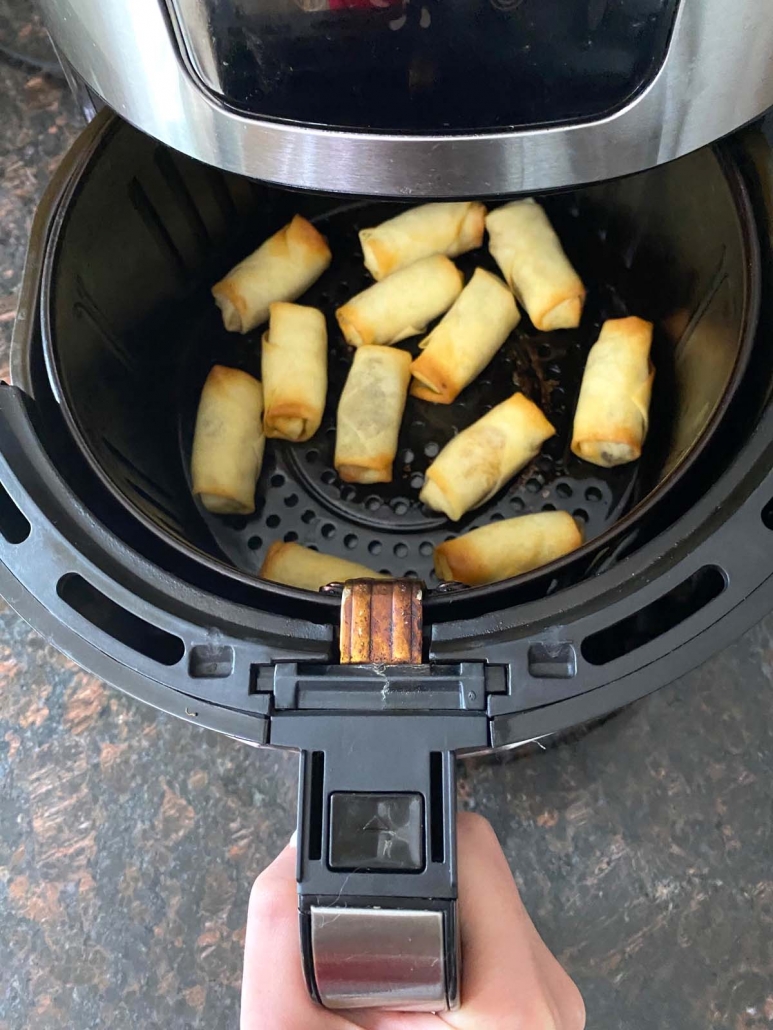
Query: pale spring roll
(282,268)
(508,548)
(524,245)
(298,566)
(462,344)
(369,414)
(447,228)
(228,442)
(480,460)
(402,304)
(294,370)
(612,414)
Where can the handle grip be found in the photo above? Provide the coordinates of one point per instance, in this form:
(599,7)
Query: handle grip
(377,805)
(377,871)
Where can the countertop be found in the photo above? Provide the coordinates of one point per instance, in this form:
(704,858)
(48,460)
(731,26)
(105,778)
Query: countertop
(129,840)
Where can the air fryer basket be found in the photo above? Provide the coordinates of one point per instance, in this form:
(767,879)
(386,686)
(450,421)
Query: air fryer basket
(103,550)
(131,332)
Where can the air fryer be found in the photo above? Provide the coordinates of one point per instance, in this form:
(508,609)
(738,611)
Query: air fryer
(379,686)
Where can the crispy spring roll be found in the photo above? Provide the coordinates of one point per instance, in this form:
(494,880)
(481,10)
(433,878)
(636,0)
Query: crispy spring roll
(294,370)
(524,245)
(402,304)
(508,548)
(480,460)
(369,414)
(459,348)
(282,268)
(298,566)
(228,442)
(449,228)
(612,414)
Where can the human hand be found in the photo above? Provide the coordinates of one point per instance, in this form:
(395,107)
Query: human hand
(510,981)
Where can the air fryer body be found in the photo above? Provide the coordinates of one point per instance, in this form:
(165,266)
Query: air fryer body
(476,97)
(101,547)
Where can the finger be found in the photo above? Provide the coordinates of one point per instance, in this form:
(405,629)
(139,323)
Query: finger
(509,977)
(274,994)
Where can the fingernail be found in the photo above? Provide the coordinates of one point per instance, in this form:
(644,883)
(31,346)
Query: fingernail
(293,842)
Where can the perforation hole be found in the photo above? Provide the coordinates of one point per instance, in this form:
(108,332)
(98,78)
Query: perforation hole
(399,506)
(350,541)
(328,531)
(374,547)
(291,537)
(308,516)
(255,543)
(533,485)
(291,500)
(432,449)
(516,503)
(273,521)
(328,477)
(425,548)
(580,514)
(564,490)
(400,550)
(311,456)
(593,494)
(278,479)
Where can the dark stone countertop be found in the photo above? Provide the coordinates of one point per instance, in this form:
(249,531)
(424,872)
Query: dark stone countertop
(128,840)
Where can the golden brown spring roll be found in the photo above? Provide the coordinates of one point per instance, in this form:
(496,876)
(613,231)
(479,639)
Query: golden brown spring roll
(612,414)
(228,442)
(402,304)
(462,344)
(369,414)
(282,268)
(448,228)
(298,566)
(294,370)
(480,460)
(508,548)
(524,245)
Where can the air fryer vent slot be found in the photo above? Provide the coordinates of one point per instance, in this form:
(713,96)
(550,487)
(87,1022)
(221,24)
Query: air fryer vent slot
(117,622)
(13,525)
(656,618)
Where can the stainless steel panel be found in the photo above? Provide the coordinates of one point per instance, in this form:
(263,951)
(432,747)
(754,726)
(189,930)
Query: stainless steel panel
(717,76)
(379,958)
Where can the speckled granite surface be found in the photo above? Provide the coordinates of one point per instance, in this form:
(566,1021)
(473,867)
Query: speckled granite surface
(128,841)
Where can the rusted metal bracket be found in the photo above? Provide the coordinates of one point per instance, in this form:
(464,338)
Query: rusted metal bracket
(381,622)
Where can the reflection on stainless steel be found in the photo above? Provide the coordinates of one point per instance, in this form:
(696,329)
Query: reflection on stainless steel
(379,958)
(717,75)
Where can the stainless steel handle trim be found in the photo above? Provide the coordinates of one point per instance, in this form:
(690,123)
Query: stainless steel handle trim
(379,958)
(716,76)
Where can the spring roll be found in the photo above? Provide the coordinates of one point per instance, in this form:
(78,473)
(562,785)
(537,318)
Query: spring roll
(480,460)
(282,268)
(448,228)
(508,548)
(459,348)
(294,370)
(402,304)
(524,245)
(298,566)
(612,414)
(228,442)
(369,414)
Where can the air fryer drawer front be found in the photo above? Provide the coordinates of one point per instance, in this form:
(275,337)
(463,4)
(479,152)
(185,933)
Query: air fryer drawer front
(431,139)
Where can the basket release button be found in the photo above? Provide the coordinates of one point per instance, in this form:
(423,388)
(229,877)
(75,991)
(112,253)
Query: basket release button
(376,832)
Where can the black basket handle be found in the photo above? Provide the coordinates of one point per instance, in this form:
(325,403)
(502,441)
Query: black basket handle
(377,806)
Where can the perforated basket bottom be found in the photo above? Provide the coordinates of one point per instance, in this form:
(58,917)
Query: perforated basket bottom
(301,498)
